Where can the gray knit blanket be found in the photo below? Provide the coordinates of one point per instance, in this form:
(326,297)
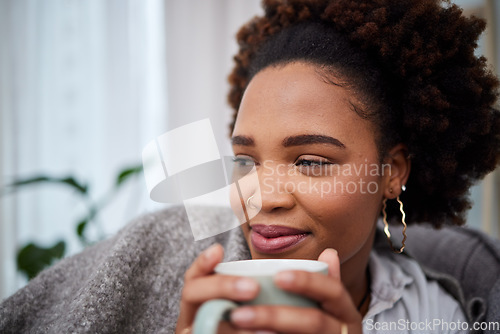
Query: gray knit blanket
(128,284)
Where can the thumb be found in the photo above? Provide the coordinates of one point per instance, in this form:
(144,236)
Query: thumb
(331,257)
(205,262)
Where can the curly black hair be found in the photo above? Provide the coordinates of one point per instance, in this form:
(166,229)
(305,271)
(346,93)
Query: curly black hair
(413,65)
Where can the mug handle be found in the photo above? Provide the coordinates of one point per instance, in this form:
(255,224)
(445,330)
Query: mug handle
(210,314)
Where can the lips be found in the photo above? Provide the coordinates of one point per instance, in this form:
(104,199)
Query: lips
(273,239)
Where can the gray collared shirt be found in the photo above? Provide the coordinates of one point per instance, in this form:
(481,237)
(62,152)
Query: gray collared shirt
(403,300)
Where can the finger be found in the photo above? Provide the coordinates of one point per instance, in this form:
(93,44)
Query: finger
(236,288)
(331,257)
(203,265)
(285,319)
(205,262)
(227,328)
(331,293)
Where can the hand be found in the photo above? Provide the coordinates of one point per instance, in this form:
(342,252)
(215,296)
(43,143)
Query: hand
(201,285)
(336,306)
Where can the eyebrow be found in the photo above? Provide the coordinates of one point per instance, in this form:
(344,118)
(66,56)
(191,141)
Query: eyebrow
(243,141)
(311,139)
(292,140)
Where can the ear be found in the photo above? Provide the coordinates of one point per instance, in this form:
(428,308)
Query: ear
(396,168)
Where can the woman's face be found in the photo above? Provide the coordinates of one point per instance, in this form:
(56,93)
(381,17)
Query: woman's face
(321,183)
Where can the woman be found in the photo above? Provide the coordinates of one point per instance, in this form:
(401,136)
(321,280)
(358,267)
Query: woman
(341,106)
(346,94)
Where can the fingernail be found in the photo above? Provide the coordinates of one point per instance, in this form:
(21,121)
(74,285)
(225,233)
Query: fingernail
(331,250)
(246,285)
(242,315)
(285,277)
(210,252)
(265,332)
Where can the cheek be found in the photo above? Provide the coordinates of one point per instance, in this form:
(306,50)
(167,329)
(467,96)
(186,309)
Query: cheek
(236,202)
(342,191)
(344,209)
(243,190)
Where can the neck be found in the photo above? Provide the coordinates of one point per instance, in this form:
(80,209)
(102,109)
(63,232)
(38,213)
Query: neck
(354,274)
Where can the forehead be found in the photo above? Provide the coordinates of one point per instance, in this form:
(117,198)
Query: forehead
(296,99)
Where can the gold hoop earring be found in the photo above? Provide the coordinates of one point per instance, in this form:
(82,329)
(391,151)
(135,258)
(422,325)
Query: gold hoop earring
(386,227)
(248,201)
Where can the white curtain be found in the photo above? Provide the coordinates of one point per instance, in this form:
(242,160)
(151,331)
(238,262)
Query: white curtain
(201,44)
(82,90)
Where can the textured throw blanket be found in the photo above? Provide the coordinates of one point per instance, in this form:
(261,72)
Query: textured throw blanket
(128,284)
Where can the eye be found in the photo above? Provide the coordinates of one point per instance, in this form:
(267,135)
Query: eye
(241,165)
(243,161)
(315,166)
(310,162)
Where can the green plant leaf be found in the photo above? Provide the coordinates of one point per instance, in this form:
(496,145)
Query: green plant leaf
(35,179)
(127,173)
(70,181)
(80,228)
(83,188)
(32,259)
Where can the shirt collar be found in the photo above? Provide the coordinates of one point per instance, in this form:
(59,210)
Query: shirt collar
(388,282)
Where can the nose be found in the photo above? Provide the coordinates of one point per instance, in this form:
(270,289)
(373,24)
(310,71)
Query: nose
(276,188)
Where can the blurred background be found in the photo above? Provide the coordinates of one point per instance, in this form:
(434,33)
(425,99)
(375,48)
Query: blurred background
(85,85)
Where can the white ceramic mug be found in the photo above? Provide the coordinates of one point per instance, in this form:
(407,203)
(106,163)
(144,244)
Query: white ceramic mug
(212,312)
